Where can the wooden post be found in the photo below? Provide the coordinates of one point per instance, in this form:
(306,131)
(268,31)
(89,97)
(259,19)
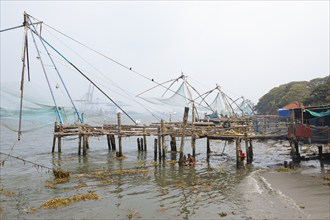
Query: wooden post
(138,144)
(159,144)
(144,138)
(54,138)
(163,138)
(173,143)
(79,145)
(250,155)
(87,142)
(155,149)
(320,147)
(109,141)
(59,146)
(120,153)
(239,162)
(185,119)
(54,142)
(295,152)
(84,145)
(141,144)
(247,146)
(113,142)
(208,148)
(193,145)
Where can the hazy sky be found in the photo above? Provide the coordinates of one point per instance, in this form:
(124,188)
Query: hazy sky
(246,47)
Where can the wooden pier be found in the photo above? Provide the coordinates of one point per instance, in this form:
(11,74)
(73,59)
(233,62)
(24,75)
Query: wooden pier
(244,129)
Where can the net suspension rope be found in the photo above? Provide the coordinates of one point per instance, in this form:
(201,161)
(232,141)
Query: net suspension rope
(59,75)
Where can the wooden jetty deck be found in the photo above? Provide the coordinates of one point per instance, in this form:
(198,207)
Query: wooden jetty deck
(243,128)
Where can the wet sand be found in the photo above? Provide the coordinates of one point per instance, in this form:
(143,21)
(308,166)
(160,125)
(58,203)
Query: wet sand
(309,190)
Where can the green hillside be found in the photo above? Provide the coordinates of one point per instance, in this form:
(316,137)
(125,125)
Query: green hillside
(314,92)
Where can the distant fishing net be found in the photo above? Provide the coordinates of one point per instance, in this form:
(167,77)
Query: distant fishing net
(179,99)
(38,110)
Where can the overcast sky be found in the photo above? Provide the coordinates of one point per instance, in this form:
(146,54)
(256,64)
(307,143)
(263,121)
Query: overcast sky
(246,47)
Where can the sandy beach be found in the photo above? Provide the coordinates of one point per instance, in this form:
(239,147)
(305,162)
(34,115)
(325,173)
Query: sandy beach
(303,193)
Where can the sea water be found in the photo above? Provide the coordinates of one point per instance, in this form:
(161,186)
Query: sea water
(138,187)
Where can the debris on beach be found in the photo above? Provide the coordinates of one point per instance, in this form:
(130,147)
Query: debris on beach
(58,202)
(7,192)
(60,173)
(327,179)
(222,214)
(132,214)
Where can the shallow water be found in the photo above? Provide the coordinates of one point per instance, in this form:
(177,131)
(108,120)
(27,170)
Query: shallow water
(136,186)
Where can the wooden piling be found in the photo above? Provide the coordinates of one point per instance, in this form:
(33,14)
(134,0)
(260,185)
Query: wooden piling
(138,144)
(185,119)
(173,143)
(239,162)
(120,153)
(155,149)
(113,142)
(109,141)
(54,142)
(208,148)
(296,154)
(159,144)
(84,144)
(247,148)
(87,142)
(193,145)
(163,138)
(144,138)
(320,147)
(141,144)
(250,153)
(79,145)
(59,146)
(54,138)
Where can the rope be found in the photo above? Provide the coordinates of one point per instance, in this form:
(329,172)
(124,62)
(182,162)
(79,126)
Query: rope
(109,58)
(26,130)
(25,161)
(86,77)
(44,70)
(11,150)
(59,75)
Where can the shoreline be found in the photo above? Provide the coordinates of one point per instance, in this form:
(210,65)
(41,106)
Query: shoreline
(303,193)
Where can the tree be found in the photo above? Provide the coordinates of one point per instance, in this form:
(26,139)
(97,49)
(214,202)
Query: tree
(314,92)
